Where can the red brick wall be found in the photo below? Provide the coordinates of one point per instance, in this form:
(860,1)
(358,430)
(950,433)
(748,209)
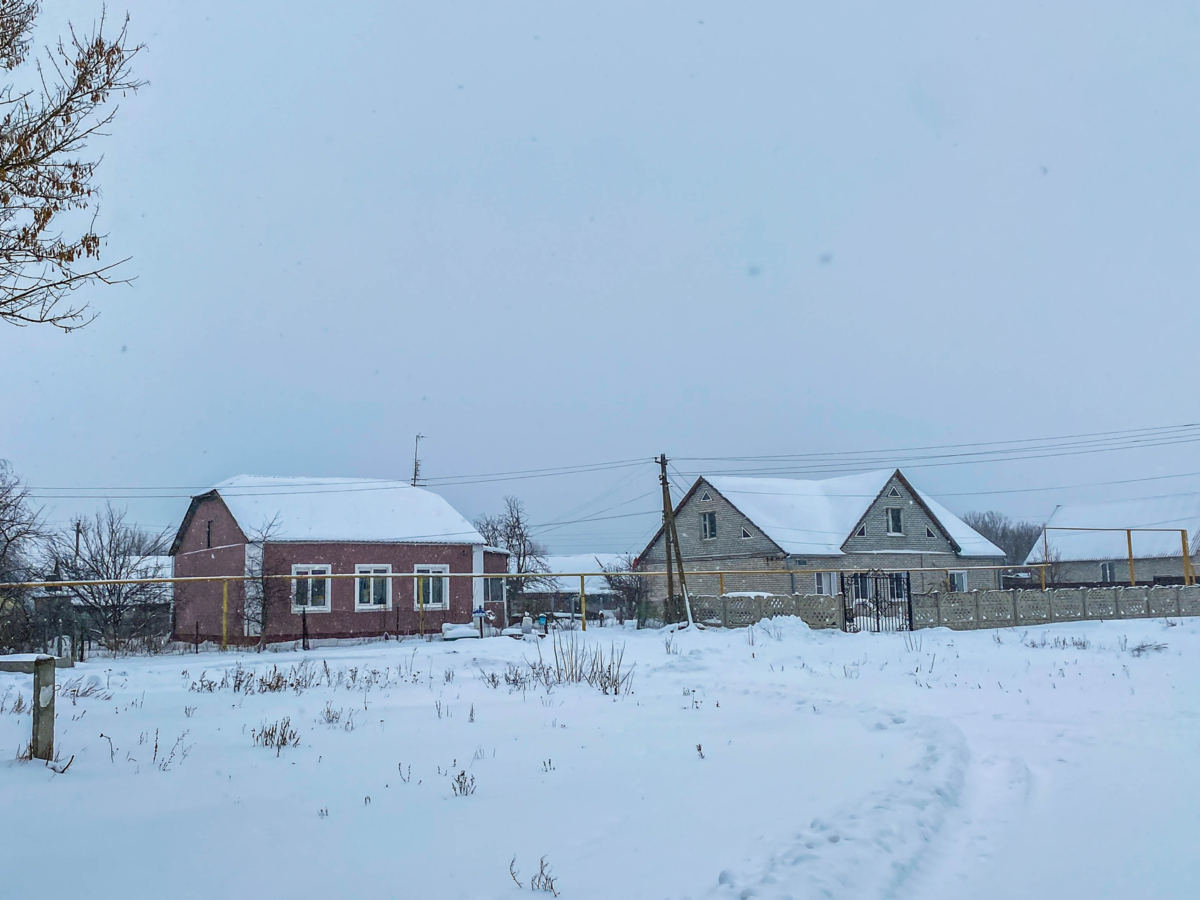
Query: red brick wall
(199,603)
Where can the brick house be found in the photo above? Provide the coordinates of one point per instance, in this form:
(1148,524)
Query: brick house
(1094,558)
(803,535)
(303,531)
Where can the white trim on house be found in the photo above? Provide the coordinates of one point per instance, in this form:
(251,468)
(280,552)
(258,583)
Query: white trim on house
(477,583)
(434,571)
(309,570)
(377,571)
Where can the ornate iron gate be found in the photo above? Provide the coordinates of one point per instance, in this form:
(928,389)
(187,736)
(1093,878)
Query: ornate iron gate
(876,601)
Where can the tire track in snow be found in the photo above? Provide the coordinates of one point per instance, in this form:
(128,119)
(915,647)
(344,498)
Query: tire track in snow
(870,849)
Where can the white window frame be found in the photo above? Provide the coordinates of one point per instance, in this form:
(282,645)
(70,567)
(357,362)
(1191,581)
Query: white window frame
(705,533)
(312,572)
(490,583)
(705,498)
(887,512)
(746,533)
(373,570)
(823,583)
(956,574)
(430,570)
(1108,573)
(929,532)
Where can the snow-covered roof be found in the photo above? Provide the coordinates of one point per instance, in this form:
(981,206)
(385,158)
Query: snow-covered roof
(1177,511)
(345,509)
(580,562)
(815,517)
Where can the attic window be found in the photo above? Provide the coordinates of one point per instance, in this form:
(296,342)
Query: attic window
(895,520)
(862,531)
(208,535)
(893,493)
(745,533)
(705,498)
(929,532)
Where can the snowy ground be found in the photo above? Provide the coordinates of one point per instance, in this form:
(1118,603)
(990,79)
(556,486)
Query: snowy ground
(1051,762)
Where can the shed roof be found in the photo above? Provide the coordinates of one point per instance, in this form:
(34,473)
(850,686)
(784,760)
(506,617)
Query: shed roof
(1170,511)
(577,563)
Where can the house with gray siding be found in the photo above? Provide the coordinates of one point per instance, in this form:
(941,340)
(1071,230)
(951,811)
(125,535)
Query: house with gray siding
(804,535)
(1089,544)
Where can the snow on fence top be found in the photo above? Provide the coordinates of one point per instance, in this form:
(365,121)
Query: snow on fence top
(1178,511)
(345,509)
(815,517)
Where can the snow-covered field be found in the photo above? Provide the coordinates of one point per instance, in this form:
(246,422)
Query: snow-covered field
(1051,762)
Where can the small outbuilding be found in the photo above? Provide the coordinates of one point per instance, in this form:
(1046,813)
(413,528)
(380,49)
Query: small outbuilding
(1141,541)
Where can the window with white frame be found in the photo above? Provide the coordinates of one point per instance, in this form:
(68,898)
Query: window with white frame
(372,587)
(1108,572)
(895,520)
(430,589)
(708,525)
(958,582)
(825,583)
(745,533)
(493,590)
(311,587)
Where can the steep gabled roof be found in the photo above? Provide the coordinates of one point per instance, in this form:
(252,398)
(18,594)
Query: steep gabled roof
(341,509)
(1178,511)
(815,518)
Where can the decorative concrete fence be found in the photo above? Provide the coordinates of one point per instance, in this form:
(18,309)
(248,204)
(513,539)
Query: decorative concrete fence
(1005,609)
(964,611)
(733,610)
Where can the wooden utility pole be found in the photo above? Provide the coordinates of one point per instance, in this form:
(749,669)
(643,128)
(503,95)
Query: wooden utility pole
(671,539)
(666,528)
(416,459)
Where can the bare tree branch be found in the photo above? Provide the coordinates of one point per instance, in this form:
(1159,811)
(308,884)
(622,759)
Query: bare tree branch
(46,182)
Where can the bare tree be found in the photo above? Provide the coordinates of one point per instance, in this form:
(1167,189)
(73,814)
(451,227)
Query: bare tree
(21,531)
(1015,538)
(510,530)
(110,549)
(632,589)
(264,592)
(49,246)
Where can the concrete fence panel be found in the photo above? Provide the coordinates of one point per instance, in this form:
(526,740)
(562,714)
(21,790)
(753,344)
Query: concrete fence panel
(997,609)
(1033,607)
(1132,603)
(1101,603)
(1189,600)
(1162,600)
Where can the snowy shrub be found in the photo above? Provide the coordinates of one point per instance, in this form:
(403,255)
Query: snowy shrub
(463,785)
(1147,647)
(276,736)
(491,679)
(543,880)
(329,715)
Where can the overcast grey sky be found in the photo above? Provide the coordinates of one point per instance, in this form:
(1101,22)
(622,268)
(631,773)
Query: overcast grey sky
(546,234)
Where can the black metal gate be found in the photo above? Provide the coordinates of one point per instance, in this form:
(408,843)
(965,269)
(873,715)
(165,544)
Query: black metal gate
(876,601)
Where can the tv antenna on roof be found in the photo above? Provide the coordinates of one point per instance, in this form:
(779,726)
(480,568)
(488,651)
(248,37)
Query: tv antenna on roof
(416,459)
